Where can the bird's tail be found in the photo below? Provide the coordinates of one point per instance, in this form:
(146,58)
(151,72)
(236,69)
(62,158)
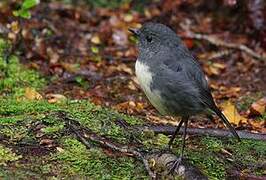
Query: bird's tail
(226,122)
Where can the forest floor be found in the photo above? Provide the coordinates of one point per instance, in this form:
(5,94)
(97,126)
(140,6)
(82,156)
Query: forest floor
(77,64)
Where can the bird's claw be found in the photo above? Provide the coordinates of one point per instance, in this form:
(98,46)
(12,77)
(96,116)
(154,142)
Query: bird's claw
(174,165)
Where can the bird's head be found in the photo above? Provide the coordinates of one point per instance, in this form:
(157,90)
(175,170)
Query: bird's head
(153,37)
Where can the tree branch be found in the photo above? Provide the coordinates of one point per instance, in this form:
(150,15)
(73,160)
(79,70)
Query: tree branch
(168,129)
(218,42)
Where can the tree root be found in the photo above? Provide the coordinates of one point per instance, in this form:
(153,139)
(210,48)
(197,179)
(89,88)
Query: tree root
(155,163)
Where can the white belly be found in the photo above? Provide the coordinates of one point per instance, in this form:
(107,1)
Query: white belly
(144,77)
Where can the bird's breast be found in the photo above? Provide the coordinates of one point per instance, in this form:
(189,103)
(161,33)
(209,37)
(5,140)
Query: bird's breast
(145,78)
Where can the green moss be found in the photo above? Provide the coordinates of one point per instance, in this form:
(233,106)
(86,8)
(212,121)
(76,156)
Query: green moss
(6,155)
(203,155)
(17,78)
(76,159)
(210,165)
(53,129)
(212,144)
(209,157)
(149,139)
(12,107)
(14,77)
(14,133)
(54,124)
(248,151)
(101,120)
(11,120)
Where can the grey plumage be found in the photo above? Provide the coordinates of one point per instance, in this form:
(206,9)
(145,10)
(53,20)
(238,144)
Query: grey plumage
(171,77)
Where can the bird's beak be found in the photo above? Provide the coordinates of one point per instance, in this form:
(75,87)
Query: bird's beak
(135,32)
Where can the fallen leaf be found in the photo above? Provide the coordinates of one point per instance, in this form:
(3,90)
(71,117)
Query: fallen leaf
(232,114)
(189,43)
(47,142)
(258,108)
(120,38)
(55,98)
(96,39)
(32,94)
(228,92)
(258,125)
(224,151)
(128,18)
(214,68)
(14,26)
(59,149)
(124,68)
(131,85)
(72,68)
(54,57)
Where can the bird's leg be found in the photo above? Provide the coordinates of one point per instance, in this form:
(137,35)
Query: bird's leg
(178,161)
(168,148)
(184,139)
(175,133)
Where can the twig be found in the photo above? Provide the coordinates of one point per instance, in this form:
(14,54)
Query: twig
(240,175)
(168,129)
(218,42)
(83,133)
(220,54)
(117,147)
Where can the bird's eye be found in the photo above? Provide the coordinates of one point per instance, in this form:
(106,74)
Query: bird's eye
(149,38)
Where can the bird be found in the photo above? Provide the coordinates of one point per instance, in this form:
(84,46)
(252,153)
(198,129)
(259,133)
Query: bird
(172,79)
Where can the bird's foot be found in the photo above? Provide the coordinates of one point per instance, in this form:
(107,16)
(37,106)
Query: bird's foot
(174,165)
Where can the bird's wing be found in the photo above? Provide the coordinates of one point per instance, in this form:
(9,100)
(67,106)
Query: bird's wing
(191,71)
(186,70)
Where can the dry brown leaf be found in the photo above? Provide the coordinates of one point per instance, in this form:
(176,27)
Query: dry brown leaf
(47,142)
(258,108)
(59,149)
(162,120)
(131,85)
(72,68)
(55,98)
(124,68)
(139,107)
(189,43)
(96,39)
(128,18)
(232,114)
(14,26)
(32,94)
(214,68)
(54,56)
(227,92)
(120,37)
(258,125)
(224,151)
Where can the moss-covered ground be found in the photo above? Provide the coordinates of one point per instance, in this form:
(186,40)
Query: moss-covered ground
(35,144)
